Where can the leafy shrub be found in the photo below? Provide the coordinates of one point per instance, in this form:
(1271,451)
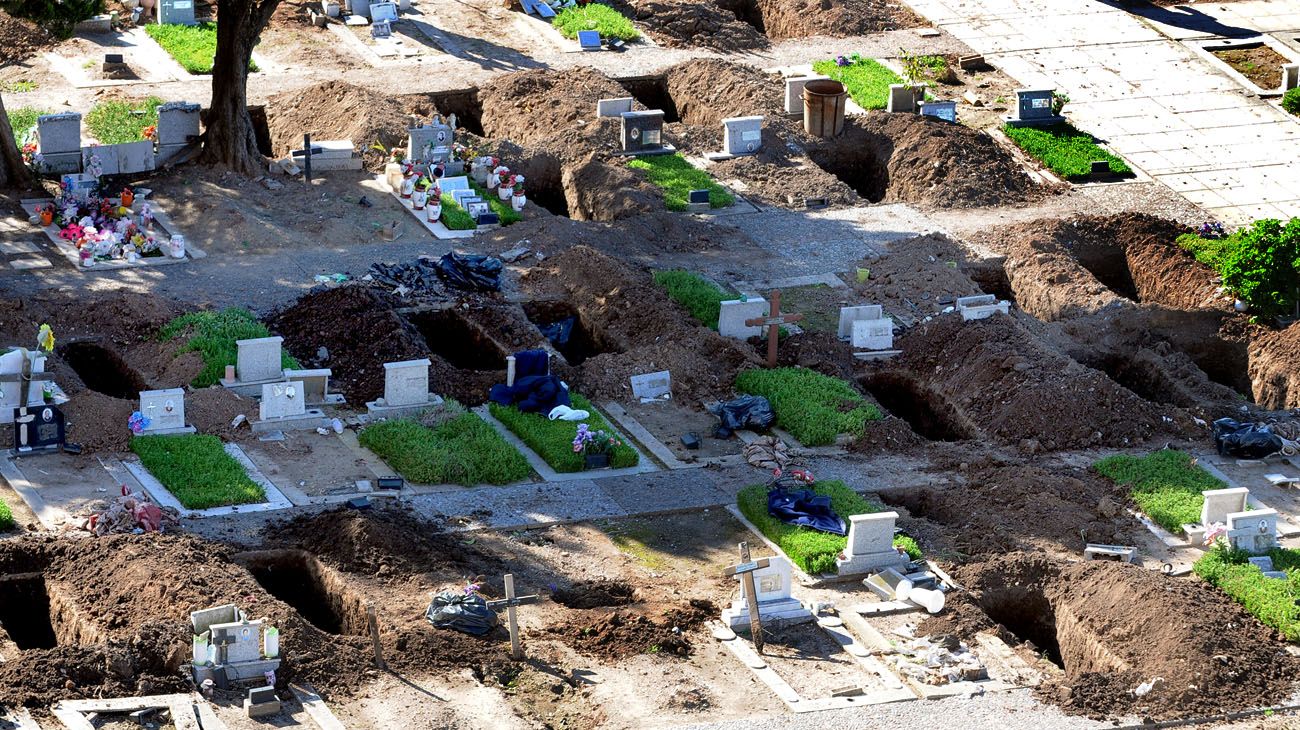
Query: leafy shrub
(193,46)
(677,178)
(465,450)
(553,440)
(197,470)
(1065,150)
(213,334)
(116,121)
(1260,264)
(59,17)
(1274,601)
(1167,485)
(814,408)
(866,80)
(6,517)
(1291,101)
(814,552)
(701,297)
(23,119)
(601,18)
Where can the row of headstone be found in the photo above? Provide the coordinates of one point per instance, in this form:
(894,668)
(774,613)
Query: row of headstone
(1254,531)
(62,152)
(981,306)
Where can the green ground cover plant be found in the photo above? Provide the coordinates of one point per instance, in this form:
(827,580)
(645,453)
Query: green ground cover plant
(701,297)
(454,217)
(60,17)
(677,178)
(23,119)
(1259,264)
(212,334)
(197,470)
(503,208)
(6,517)
(193,46)
(464,450)
(553,440)
(116,121)
(601,18)
(814,552)
(1167,485)
(1291,101)
(1274,601)
(814,408)
(1064,150)
(866,79)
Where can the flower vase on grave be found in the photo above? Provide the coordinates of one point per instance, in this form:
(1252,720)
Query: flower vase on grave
(47,216)
(176,246)
(408,186)
(393,175)
(418,199)
(519,200)
(434,207)
(505,190)
(128,197)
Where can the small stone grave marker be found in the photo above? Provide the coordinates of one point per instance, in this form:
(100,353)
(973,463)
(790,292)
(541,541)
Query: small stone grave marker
(740,136)
(641,133)
(652,386)
(165,410)
(794,92)
(282,400)
(613,107)
(1219,503)
(380,12)
(873,334)
(259,359)
(1034,108)
(870,545)
(450,185)
(849,315)
(316,386)
(134,157)
(945,110)
(772,586)
(981,306)
(732,315)
(903,97)
(38,428)
(589,40)
(406,388)
(176,12)
(1254,531)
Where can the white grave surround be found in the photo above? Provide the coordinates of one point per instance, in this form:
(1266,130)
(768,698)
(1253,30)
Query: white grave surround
(244,655)
(981,306)
(316,386)
(652,387)
(1219,503)
(870,546)
(733,313)
(849,315)
(258,362)
(406,389)
(165,410)
(1254,531)
(741,136)
(613,107)
(284,408)
(334,154)
(873,334)
(772,588)
(794,92)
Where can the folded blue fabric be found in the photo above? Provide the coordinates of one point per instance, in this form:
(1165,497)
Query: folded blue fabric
(533,394)
(532,362)
(806,508)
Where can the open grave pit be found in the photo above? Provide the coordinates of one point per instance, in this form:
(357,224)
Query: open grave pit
(568,330)
(316,592)
(102,369)
(928,414)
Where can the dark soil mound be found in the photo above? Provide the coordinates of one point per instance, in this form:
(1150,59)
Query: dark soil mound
(1275,368)
(532,108)
(21,39)
(681,24)
(595,594)
(383,542)
(338,110)
(835,18)
(706,91)
(1113,626)
(624,633)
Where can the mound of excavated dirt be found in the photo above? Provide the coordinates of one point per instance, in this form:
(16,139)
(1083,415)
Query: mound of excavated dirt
(1275,368)
(625,633)
(595,594)
(917,273)
(338,110)
(1113,626)
(532,108)
(783,19)
(641,328)
(20,39)
(706,91)
(682,24)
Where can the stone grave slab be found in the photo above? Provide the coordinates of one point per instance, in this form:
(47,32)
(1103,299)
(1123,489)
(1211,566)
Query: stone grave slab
(740,136)
(178,121)
(945,110)
(283,408)
(775,602)
(870,545)
(163,228)
(316,386)
(406,389)
(652,386)
(107,155)
(614,107)
(873,334)
(733,314)
(1034,108)
(1219,503)
(176,12)
(981,306)
(849,315)
(794,92)
(1254,531)
(135,157)
(165,410)
(257,361)
(902,98)
(641,133)
(59,133)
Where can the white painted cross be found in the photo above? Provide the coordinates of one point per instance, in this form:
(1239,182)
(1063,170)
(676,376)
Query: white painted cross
(510,602)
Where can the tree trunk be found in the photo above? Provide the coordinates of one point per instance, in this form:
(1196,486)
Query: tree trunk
(12,170)
(229,139)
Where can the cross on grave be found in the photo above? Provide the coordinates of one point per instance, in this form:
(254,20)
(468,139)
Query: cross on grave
(306,153)
(773,322)
(746,571)
(510,603)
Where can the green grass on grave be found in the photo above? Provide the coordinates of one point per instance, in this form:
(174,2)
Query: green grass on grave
(813,551)
(594,16)
(1167,485)
(213,334)
(197,470)
(677,178)
(464,450)
(6,517)
(193,46)
(866,80)
(503,208)
(553,440)
(1064,150)
(454,217)
(18,87)
(814,408)
(116,121)
(701,297)
(23,119)
(1274,601)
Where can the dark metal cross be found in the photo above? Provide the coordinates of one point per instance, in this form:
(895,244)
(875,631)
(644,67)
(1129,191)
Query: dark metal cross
(306,152)
(510,602)
(773,322)
(746,572)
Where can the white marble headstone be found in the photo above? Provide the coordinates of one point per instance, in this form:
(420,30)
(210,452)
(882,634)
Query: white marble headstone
(1254,531)
(733,313)
(652,386)
(873,334)
(1219,503)
(406,383)
(742,135)
(259,359)
(613,107)
(283,400)
(165,409)
(849,315)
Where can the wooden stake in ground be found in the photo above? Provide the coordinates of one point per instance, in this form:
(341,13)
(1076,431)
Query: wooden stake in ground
(373,622)
(746,572)
(773,322)
(510,603)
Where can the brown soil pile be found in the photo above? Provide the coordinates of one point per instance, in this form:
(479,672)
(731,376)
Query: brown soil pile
(211,411)
(1114,626)
(595,594)
(338,110)
(21,39)
(387,543)
(627,632)
(357,326)
(534,108)
(1275,368)
(706,91)
(1007,506)
(992,379)
(915,276)
(684,24)
(642,329)
(834,18)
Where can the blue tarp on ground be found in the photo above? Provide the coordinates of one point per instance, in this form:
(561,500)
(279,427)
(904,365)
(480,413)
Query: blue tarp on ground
(532,394)
(806,508)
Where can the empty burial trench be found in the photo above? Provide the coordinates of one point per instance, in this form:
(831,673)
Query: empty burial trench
(855,166)
(1224,362)
(102,370)
(35,615)
(926,412)
(1109,265)
(457,341)
(746,11)
(562,325)
(316,592)
(1145,380)
(652,93)
(1026,613)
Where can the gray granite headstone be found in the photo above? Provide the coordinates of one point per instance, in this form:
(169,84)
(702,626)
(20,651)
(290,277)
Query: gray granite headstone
(259,359)
(742,135)
(165,409)
(406,383)
(283,400)
(109,163)
(135,157)
(59,133)
(642,131)
(652,386)
(176,12)
(945,110)
(732,315)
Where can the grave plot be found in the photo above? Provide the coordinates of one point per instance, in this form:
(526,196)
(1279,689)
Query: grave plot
(927,413)
(737,25)
(1094,621)
(447,446)
(1257,63)
(130,57)
(674,424)
(102,369)
(320,595)
(562,325)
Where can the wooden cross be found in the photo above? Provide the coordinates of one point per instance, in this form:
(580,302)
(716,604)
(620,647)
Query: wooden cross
(746,572)
(773,322)
(307,151)
(510,602)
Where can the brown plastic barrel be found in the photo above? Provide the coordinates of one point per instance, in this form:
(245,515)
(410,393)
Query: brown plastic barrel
(823,107)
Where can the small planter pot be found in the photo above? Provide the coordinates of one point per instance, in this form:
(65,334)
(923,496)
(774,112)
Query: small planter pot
(418,199)
(47,218)
(596,461)
(128,198)
(504,193)
(518,202)
(408,186)
(434,210)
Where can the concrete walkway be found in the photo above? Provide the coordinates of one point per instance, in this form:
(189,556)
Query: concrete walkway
(1134,84)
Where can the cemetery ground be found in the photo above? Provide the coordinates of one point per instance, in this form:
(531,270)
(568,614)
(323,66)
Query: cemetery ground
(1071,410)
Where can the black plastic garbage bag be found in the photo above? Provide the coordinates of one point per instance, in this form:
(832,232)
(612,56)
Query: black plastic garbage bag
(747,411)
(482,273)
(467,614)
(1245,440)
(559,332)
(804,507)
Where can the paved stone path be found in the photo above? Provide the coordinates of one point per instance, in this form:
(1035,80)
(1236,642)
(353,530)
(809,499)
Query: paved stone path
(1134,84)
